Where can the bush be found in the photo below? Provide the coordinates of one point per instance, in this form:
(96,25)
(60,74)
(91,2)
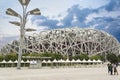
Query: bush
(57,56)
(81,56)
(46,54)
(98,56)
(112,58)
(1,58)
(11,56)
(119,57)
(77,57)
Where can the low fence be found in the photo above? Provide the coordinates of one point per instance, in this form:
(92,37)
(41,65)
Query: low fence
(14,63)
(54,64)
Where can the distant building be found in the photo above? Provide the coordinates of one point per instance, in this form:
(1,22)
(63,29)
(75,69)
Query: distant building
(67,41)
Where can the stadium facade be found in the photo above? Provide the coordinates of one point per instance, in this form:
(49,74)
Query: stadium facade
(67,41)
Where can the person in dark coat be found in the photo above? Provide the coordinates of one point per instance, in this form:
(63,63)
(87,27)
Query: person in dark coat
(108,65)
(111,69)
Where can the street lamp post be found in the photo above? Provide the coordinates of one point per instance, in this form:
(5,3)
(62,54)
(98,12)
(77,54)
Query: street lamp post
(22,24)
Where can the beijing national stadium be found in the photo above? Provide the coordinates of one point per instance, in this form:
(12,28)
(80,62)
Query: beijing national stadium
(67,41)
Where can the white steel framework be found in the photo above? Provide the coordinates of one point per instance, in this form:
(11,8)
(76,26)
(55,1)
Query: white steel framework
(68,41)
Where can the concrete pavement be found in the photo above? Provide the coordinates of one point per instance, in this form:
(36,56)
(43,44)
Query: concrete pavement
(99,73)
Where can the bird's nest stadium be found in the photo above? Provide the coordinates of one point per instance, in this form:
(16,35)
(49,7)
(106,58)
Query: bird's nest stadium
(67,41)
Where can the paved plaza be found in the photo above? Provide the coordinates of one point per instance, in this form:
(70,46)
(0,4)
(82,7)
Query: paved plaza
(99,73)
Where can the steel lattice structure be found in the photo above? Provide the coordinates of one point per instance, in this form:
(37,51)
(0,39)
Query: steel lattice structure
(68,41)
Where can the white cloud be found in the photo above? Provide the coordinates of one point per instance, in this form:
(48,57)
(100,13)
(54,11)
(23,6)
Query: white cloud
(102,13)
(1,37)
(34,26)
(9,30)
(59,16)
(94,26)
(106,27)
(74,19)
(60,24)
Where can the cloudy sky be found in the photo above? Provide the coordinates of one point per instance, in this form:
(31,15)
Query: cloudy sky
(96,14)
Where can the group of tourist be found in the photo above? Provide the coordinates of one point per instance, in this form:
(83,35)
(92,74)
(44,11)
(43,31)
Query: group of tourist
(112,69)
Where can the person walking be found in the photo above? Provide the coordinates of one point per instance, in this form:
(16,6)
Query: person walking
(108,66)
(111,69)
(115,69)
